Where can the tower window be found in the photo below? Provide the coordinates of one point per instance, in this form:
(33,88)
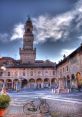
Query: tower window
(28,30)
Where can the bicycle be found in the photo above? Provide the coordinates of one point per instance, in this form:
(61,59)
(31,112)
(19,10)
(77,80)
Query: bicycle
(30,107)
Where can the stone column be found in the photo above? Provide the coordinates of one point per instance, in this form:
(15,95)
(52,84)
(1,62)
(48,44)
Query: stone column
(4,84)
(61,85)
(28,84)
(20,84)
(42,85)
(12,85)
(35,85)
(50,83)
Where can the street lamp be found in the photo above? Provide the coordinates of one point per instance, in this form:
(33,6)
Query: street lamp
(2,69)
(3,91)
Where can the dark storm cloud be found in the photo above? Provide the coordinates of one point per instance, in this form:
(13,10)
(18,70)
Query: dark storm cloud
(14,11)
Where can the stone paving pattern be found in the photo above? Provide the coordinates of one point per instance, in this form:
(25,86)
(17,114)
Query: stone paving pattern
(60,106)
(65,107)
(23,115)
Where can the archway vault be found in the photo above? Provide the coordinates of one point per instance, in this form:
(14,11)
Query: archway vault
(24,83)
(46,83)
(39,83)
(9,83)
(32,83)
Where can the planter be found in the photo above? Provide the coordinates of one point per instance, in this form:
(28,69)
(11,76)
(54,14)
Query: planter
(2,112)
(4,103)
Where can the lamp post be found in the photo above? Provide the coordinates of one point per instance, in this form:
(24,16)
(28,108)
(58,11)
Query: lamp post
(3,68)
(18,85)
(3,91)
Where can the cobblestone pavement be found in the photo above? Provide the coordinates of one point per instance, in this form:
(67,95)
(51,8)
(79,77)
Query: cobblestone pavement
(70,104)
(18,112)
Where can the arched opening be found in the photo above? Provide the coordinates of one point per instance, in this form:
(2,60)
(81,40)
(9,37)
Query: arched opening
(68,82)
(9,84)
(32,83)
(65,82)
(46,83)
(54,83)
(73,81)
(72,77)
(78,75)
(39,83)
(24,83)
(16,84)
(79,80)
(1,83)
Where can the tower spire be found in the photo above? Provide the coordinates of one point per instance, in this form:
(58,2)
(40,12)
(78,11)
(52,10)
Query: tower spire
(28,26)
(28,16)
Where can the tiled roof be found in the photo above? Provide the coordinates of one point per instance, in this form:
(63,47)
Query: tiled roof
(6,58)
(34,65)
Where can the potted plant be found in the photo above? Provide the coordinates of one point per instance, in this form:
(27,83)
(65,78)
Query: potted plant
(4,103)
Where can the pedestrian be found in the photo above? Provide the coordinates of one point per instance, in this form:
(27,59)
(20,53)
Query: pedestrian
(56,88)
(52,90)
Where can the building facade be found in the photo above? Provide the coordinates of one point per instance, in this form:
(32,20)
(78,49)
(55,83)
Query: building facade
(31,73)
(69,70)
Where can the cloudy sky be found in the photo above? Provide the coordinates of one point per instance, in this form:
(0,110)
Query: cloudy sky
(57,26)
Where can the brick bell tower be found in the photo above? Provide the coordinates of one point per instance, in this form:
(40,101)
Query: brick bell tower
(28,53)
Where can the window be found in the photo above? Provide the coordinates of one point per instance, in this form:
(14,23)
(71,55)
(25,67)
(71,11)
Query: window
(8,73)
(67,68)
(23,73)
(63,69)
(53,72)
(16,73)
(31,73)
(39,72)
(60,70)
(46,72)
(1,73)
(72,77)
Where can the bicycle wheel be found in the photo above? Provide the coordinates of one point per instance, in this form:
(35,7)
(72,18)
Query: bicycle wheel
(44,108)
(25,108)
(29,108)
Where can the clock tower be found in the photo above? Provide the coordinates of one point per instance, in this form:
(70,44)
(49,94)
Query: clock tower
(28,53)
